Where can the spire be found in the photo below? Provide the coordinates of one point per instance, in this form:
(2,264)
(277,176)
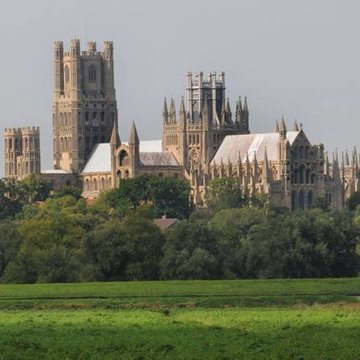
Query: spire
(205,110)
(172,111)
(266,171)
(355,158)
(276,127)
(326,165)
(165,111)
(115,138)
(282,128)
(182,106)
(240,104)
(134,138)
(228,106)
(347,162)
(296,127)
(246,105)
(223,112)
(238,110)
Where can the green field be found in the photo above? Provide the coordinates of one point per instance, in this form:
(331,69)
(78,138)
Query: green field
(272,319)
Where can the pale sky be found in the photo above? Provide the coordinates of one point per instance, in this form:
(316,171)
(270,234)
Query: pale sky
(299,58)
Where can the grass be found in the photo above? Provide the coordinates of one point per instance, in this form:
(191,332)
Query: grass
(270,319)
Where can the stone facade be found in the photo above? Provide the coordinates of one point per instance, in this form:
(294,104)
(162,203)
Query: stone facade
(22,152)
(203,141)
(84,105)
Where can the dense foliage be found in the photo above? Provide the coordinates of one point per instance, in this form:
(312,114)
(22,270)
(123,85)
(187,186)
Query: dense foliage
(59,237)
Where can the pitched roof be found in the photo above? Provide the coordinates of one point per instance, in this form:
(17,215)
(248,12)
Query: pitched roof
(250,144)
(158,159)
(165,223)
(100,159)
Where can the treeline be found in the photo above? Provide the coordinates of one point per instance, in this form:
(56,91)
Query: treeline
(59,237)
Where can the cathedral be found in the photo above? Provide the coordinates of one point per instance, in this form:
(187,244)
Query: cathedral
(203,139)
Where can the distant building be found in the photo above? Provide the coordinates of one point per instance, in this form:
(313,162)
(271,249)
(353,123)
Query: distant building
(201,141)
(84,106)
(22,152)
(204,141)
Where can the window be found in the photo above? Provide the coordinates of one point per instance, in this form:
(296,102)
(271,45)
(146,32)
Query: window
(124,159)
(310,198)
(92,74)
(67,74)
(301,200)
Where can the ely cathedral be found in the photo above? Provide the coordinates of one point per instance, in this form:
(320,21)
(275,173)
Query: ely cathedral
(203,138)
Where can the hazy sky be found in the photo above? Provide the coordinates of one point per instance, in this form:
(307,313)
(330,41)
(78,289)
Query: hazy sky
(299,58)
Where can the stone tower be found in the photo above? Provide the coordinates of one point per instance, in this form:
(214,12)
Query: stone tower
(84,105)
(22,152)
(205,118)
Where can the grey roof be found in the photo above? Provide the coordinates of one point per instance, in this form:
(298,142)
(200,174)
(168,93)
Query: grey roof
(100,159)
(150,154)
(158,159)
(251,144)
(165,223)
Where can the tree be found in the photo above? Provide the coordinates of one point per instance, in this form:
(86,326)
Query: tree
(35,188)
(10,201)
(128,249)
(190,252)
(307,244)
(231,228)
(353,201)
(51,236)
(225,193)
(10,241)
(167,196)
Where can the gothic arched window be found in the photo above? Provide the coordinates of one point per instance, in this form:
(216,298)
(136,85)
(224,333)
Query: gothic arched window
(67,74)
(301,200)
(124,158)
(293,200)
(310,198)
(92,74)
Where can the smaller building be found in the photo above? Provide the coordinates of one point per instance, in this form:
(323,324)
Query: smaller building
(112,162)
(22,152)
(165,223)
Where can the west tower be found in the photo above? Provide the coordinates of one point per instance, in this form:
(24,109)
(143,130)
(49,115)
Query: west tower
(84,105)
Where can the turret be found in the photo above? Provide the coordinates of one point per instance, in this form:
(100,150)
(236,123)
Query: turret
(223,113)
(265,173)
(282,128)
(59,67)
(228,112)
(336,167)
(347,162)
(165,113)
(296,127)
(205,118)
(134,150)
(245,117)
(277,129)
(114,144)
(108,56)
(182,114)
(172,114)
(75,68)
(326,165)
